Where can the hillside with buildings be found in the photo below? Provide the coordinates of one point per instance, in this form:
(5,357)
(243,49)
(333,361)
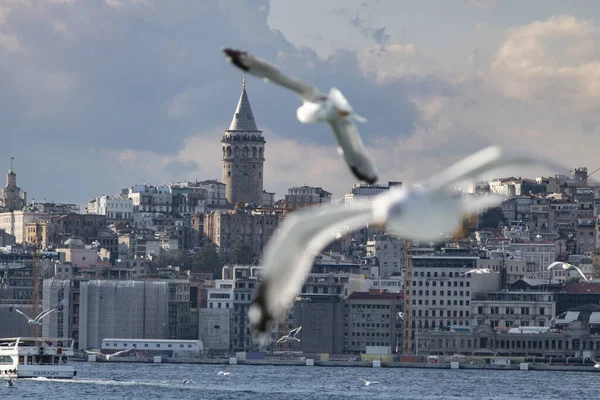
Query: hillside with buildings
(181,261)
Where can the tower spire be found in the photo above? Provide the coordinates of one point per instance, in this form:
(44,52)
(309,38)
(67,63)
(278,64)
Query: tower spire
(11,162)
(243,118)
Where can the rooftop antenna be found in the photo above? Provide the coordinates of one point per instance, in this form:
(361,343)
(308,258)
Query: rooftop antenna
(244,81)
(11,163)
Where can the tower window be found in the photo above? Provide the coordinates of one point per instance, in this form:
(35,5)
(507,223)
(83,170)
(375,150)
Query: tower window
(237,115)
(228,173)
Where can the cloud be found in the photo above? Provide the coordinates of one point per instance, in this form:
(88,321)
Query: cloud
(555,60)
(9,43)
(95,97)
(481,3)
(379,34)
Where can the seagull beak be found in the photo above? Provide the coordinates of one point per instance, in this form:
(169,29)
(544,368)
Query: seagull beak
(342,113)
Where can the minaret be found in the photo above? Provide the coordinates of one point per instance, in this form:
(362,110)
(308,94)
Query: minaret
(243,155)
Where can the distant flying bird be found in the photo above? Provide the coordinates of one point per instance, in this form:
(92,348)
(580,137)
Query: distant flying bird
(367,383)
(332,108)
(37,320)
(401,315)
(416,213)
(224,373)
(566,266)
(121,353)
(478,271)
(187,381)
(290,337)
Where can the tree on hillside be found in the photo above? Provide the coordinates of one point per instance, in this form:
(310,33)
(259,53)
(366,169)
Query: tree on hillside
(243,254)
(491,218)
(206,259)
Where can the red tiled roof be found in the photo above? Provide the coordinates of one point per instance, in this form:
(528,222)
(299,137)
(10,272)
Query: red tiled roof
(582,288)
(376,296)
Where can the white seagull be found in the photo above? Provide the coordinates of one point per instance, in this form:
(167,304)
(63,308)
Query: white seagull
(109,356)
(596,363)
(367,383)
(332,108)
(566,266)
(187,381)
(416,213)
(224,373)
(290,337)
(37,320)
(478,271)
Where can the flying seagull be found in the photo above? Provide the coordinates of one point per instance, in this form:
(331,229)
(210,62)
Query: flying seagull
(332,108)
(367,383)
(187,381)
(478,271)
(224,373)
(109,356)
(290,337)
(566,266)
(417,213)
(37,320)
(596,363)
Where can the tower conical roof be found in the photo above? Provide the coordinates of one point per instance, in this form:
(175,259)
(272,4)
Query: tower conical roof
(243,119)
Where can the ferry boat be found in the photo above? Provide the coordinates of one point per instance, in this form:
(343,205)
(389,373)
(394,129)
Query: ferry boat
(32,357)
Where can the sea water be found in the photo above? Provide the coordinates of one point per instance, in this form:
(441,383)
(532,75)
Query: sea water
(115,380)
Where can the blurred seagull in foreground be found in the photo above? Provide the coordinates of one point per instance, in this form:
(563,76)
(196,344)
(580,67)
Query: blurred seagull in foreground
(332,108)
(416,213)
(290,337)
(566,266)
(478,271)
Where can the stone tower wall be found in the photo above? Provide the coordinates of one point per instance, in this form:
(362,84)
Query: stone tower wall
(243,161)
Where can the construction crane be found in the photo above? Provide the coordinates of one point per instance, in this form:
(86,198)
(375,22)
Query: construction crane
(35,294)
(408,279)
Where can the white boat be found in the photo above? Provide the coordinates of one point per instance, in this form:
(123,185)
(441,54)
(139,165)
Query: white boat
(33,357)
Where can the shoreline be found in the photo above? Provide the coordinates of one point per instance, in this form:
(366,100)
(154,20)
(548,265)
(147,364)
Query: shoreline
(360,364)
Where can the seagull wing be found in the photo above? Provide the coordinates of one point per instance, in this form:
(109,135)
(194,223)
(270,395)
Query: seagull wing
(580,272)
(469,271)
(296,331)
(353,149)
(262,69)
(555,264)
(23,314)
(122,352)
(486,160)
(44,313)
(478,204)
(291,252)
(93,352)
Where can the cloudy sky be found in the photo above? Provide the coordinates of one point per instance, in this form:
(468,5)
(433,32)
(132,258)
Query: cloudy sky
(97,95)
